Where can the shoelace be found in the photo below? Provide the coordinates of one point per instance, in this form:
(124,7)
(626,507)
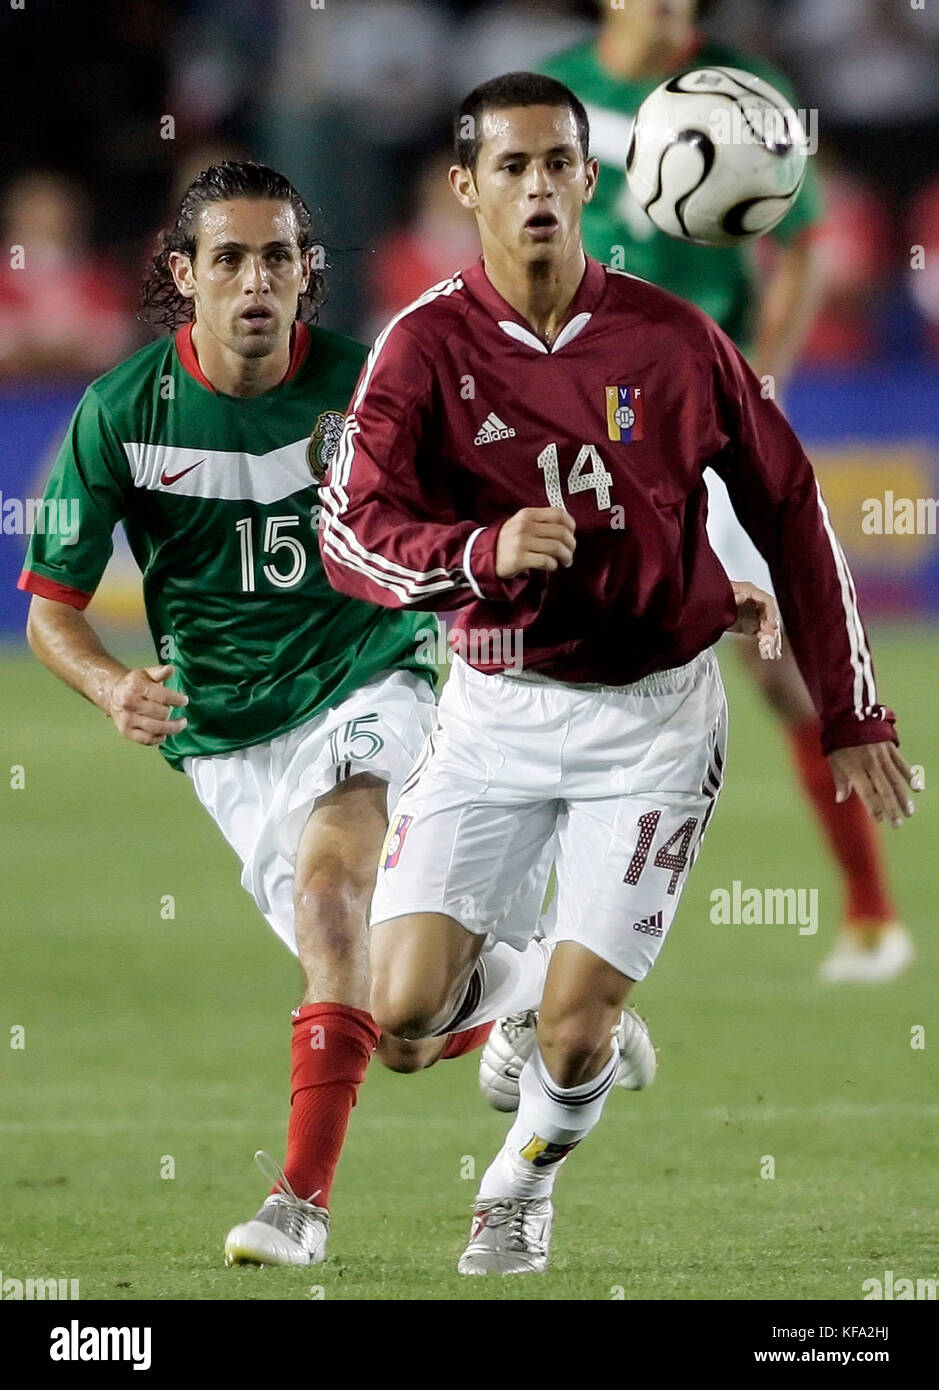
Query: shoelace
(294,1212)
(516,1024)
(512,1212)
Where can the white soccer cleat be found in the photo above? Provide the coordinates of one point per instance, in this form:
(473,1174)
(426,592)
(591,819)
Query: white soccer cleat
(509,1235)
(507,1049)
(637,1060)
(286,1231)
(512,1041)
(855,962)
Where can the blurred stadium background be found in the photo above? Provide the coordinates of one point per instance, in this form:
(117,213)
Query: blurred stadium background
(153,1036)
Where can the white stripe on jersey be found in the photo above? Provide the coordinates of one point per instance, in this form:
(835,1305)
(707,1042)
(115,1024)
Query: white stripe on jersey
(226,475)
(339,539)
(860,652)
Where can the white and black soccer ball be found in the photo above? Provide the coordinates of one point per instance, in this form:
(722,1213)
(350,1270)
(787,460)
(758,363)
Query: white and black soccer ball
(717,156)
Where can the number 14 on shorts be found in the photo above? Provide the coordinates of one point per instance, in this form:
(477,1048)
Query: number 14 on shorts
(666,858)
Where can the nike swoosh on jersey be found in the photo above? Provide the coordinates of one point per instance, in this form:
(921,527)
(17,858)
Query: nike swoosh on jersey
(220,474)
(168,480)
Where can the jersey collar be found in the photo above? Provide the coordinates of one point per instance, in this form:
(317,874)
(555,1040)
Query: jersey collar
(588,296)
(299,342)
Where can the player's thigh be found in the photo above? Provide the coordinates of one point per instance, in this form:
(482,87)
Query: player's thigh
(622,864)
(420,965)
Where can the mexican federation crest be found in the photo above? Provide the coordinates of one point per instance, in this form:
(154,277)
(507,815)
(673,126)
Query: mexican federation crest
(323,442)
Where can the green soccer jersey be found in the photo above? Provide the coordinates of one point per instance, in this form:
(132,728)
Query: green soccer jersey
(219,500)
(717,279)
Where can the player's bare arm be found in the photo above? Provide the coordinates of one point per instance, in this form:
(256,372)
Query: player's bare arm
(136,699)
(787,308)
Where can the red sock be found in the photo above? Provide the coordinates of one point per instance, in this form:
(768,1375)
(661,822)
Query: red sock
(851,834)
(458,1044)
(330,1051)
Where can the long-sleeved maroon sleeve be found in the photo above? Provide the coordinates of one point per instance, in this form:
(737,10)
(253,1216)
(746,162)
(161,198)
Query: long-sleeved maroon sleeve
(777,499)
(389,531)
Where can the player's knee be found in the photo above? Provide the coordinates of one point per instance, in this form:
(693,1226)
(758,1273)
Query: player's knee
(402,1012)
(401,1055)
(331,905)
(573,1047)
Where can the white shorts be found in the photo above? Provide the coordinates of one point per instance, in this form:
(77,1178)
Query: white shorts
(729,541)
(260,797)
(617,784)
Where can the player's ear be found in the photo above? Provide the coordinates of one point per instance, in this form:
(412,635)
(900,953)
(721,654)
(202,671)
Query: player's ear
(590,183)
(306,263)
(181,270)
(464,186)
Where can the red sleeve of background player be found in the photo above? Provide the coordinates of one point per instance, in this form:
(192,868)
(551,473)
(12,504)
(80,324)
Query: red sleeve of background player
(389,531)
(776,496)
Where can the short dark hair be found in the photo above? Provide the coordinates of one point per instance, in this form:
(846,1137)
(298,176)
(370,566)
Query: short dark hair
(161,302)
(512,89)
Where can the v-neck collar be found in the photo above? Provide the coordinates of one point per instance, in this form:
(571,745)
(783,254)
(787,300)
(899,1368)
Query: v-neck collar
(581,308)
(299,342)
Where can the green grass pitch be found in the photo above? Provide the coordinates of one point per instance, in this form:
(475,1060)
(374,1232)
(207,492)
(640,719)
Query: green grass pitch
(157,1043)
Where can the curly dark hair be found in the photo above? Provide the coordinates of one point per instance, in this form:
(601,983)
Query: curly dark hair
(161,302)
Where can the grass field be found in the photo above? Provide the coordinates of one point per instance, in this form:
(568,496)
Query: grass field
(149,1039)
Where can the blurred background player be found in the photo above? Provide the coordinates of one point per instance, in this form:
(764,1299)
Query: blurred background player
(639,45)
(290,707)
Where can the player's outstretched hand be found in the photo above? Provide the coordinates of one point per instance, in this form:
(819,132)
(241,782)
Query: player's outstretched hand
(536,538)
(140,705)
(758,616)
(880,775)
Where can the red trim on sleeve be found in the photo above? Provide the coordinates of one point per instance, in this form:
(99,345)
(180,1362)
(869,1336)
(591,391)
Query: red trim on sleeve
(51,588)
(299,342)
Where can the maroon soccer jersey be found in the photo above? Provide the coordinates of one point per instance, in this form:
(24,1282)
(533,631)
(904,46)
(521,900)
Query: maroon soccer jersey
(462,416)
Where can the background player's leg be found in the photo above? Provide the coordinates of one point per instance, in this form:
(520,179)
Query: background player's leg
(851,834)
(333,1033)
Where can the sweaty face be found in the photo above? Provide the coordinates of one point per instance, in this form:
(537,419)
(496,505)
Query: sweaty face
(248,273)
(532,182)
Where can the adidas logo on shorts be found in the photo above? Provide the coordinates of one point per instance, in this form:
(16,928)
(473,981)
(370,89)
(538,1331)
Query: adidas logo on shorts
(652,926)
(492,428)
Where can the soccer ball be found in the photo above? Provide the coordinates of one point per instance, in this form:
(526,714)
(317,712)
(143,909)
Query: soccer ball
(717,156)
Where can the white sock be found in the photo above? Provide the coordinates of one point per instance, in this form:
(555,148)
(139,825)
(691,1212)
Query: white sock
(505,981)
(550,1121)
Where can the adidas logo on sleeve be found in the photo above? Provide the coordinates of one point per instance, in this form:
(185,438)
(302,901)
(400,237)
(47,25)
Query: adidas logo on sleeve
(492,428)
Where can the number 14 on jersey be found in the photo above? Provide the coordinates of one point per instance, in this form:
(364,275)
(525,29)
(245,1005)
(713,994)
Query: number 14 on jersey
(597,480)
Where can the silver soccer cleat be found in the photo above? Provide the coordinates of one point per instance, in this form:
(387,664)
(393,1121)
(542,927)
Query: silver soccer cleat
(286,1231)
(509,1236)
(637,1060)
(507,1049)
(512,1041)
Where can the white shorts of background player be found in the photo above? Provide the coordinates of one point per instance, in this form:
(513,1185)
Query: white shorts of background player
(729,541)
(261,797)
